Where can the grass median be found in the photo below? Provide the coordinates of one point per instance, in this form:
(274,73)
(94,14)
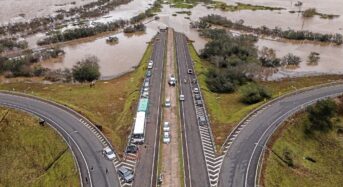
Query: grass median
(33,155)
(110,103)
(227,110)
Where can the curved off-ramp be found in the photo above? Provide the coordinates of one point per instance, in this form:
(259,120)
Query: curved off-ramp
(84,140)
(240,165)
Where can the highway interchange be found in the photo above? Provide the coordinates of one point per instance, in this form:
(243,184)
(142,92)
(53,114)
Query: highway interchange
(203,167)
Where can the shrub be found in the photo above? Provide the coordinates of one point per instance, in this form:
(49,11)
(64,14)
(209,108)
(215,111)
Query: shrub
(309,12)
(313,58)
(86,70)
(253,93)
(320,115)
(290,59)
(268,58)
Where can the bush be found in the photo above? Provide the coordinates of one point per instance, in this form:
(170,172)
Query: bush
(226,80)
(320,115)
(86,70)
(253,93)
(268,58)
(290,59)
(308,13)
(313,58)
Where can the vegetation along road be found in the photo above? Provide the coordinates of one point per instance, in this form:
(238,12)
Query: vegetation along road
(240,165)
(94,168)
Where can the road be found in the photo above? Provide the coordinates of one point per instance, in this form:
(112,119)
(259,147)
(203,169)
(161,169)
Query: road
(145,173)
(76,131)
(194,159)
(239,168)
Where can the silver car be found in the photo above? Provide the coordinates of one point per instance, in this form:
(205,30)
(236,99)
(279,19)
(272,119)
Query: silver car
(125,174)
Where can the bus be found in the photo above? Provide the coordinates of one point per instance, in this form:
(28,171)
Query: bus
(139,129)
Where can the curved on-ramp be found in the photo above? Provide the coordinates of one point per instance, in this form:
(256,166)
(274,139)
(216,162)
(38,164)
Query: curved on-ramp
(240,165)
(85,145)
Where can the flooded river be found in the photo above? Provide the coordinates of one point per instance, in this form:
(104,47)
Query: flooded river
(22,10)
(120,58)
(113,59)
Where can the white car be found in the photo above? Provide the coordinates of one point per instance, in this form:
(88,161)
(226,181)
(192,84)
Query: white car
(150,64)
(166,138)
(182,97)
(196,90)
(109,153)
(166,127)
(167,104)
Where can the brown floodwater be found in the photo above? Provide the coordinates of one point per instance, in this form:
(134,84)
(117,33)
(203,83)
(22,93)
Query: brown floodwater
(114,59)
(11,10)
(120,58)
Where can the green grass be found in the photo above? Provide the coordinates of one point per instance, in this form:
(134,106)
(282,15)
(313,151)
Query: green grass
(226,110)
(32,155)
(325,148)
(239,6)
(111,104)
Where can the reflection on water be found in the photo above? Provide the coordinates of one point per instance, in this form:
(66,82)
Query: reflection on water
(113,59)
(10,10)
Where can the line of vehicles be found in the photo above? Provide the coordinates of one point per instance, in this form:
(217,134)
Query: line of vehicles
(138,133)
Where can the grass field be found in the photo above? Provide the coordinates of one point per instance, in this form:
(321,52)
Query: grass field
(110,103)
(239,6)
(32,155)
(226,110)
(325,148)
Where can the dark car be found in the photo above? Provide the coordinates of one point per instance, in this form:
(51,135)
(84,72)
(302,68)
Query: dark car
(125,174)
(197,96)
(131,149)
(198,103)
(202,120)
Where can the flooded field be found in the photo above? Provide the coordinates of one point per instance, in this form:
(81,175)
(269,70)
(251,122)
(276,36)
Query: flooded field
(113,59)
(120,58)
(22,10)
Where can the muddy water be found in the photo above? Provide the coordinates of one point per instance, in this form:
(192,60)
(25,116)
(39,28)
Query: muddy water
(113,59)
(120,58)
(10,10)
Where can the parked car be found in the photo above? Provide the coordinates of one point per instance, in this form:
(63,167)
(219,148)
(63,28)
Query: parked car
(190,71)
(166,137)
(199,103)
(150,64)
(202,120)
(148,73)
(131,148)
(172,81)
(167,103)
(109,153)
(125,174)
(196,90)
(166,127)
(145,94)
(197,96)
(182,97)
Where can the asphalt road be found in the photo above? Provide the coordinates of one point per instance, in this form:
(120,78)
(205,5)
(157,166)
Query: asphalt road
(85,145)
(146,167)
(194,160)
(239,168)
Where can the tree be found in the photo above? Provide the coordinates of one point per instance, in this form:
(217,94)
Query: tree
(320,115)
(86,70)
(268,58)
(313,58)
(253,93)
(309,12)
(290,59)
